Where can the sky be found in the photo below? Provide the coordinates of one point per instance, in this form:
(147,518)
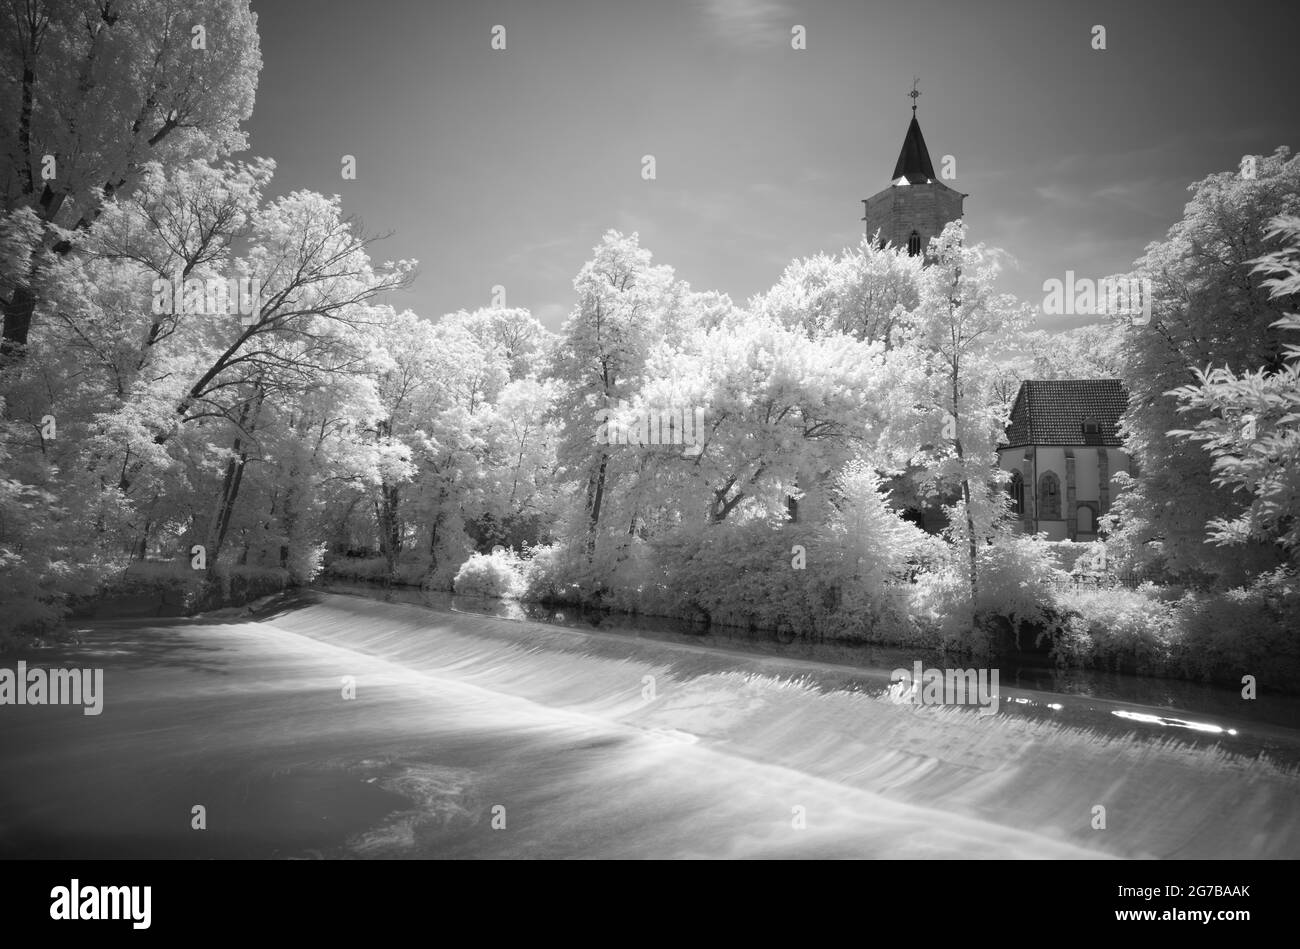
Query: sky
(504,167)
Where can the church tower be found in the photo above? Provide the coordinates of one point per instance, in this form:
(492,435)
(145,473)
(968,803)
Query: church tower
(916,205)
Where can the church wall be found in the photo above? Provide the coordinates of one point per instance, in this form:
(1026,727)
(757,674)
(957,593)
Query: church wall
(1087,481)
(1087,485)
(1119,461)
(1052,459)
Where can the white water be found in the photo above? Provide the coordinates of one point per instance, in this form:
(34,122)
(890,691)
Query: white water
(717,762)
(461,719)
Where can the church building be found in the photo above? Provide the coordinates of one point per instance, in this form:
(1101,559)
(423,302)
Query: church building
(916,206)
(1063,451)
(1062,444)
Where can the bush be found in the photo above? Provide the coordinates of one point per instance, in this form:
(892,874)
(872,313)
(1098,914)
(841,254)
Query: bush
(938,604)
(1250,630)
(306,563)
(53,526)
(1124,630)
(1017,576)
(235,586)
(1217,636)
(865,554)
(1015,583)
(411,569)
(158,588)
(172,588)
(497,574)
(551,576)
(358,569)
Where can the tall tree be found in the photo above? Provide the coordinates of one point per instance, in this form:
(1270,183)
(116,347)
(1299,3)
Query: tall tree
(1209,307)
(961,321)
(624,302)
(866,292)
(1250,423)
(95,89)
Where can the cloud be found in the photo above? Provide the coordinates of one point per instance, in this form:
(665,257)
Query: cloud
(1141,195)
(1143,181)
(1146,196)
(546,260)
(1064,197)
(750,23)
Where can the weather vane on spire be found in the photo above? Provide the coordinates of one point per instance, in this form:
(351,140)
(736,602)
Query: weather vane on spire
(914,93)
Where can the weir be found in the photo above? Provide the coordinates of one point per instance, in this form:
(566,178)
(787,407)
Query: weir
(1029,781)
(337,726)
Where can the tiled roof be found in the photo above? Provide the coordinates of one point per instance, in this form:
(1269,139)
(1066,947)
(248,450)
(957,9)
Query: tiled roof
(1054,413)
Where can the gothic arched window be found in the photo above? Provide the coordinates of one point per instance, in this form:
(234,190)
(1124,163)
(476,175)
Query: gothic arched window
(1017,491)
(1049,497)
(914,244)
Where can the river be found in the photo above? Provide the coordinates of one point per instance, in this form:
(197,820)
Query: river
(336,725)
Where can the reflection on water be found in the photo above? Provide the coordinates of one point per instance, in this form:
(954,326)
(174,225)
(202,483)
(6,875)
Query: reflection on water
(1174,722)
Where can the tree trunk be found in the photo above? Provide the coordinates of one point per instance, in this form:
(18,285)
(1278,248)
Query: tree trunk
(17,323)
(390,531)
(595,499)
(229,493)
(971,546)
(234,476)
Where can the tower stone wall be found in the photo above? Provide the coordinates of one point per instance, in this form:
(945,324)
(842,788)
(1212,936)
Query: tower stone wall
(899,210)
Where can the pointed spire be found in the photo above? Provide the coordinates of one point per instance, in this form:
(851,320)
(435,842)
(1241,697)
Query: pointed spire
(914,159)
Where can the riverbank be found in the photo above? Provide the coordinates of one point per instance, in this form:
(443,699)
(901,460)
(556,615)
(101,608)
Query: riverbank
(1029,610)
